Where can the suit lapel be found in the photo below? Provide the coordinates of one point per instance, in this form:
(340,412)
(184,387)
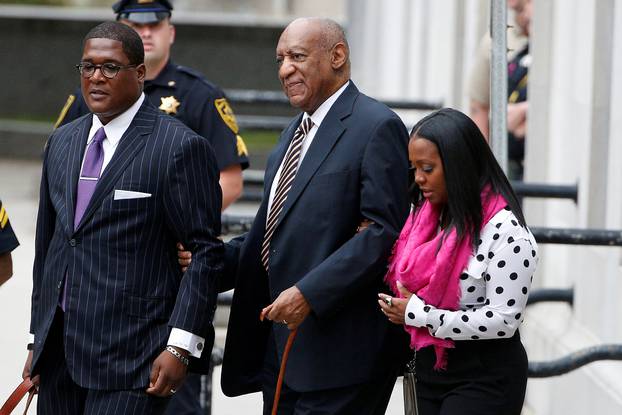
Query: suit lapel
(325,139)
(130,144)
(77,145)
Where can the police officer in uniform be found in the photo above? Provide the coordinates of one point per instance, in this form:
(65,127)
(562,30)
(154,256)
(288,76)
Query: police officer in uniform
(8,242)
(185,94)
(179,91)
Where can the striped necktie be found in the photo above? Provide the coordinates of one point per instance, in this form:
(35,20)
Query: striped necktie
(286,179)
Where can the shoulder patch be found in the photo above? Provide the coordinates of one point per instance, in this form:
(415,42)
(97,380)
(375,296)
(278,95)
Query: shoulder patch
(242,149)
(70,100)
(4,217)
(226,113)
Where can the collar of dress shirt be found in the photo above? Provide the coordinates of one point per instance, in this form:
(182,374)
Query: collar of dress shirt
(320,113)
(116,127)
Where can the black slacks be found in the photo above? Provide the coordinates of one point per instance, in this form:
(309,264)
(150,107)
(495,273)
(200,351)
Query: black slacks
(186,400)
(369,398)
(483,377)
(60,395)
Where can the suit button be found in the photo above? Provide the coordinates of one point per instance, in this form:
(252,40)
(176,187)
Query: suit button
(72,242)
(60,284)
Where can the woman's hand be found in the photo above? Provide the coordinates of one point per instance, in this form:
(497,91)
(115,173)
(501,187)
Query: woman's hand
(395,308)
(183,257)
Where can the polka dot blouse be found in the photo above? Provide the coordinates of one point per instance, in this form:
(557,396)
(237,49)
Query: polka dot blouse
(494,286)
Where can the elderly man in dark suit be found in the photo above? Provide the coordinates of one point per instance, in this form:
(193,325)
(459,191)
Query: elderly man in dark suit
(115,322)
(303,263)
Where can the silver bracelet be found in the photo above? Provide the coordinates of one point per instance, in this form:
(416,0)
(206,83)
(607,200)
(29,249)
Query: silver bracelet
(178,355)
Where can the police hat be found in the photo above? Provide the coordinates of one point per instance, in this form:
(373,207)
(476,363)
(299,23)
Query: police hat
(142,11)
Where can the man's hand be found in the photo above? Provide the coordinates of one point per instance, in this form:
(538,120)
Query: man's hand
(290,308)
(26,372)
(167,374)
(183,257)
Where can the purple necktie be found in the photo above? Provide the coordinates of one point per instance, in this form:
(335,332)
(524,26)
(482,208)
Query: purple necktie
(91,169)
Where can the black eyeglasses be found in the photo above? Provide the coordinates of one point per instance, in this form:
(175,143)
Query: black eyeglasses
(109,70)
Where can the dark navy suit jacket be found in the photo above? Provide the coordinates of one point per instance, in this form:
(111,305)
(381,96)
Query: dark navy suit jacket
(355,168)
(125,289)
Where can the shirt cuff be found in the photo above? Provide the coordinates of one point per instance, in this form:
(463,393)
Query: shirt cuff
(187,341)
(416,313)
(31,338)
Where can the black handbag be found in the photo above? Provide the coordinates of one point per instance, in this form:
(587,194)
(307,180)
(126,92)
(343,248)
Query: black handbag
(410,390)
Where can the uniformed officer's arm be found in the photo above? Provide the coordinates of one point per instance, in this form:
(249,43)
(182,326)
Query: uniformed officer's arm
(478,112)
(8,242)
(231,183)
(6,267)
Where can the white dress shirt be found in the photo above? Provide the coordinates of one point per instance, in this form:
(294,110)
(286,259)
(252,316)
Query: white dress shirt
(317,117)
(494,286)
(114,131)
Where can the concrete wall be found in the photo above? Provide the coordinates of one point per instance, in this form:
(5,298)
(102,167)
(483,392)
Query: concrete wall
(415,49)
(40,48)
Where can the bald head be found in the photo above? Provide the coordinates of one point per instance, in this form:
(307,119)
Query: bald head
(327,32)
(314,61)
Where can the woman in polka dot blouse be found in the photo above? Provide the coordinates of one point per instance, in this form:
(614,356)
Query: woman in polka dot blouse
(462,270)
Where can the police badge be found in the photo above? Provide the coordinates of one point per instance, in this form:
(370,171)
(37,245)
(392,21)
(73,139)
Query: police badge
(169,105)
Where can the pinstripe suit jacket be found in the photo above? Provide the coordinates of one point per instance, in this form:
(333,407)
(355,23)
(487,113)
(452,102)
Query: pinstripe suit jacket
(124,287)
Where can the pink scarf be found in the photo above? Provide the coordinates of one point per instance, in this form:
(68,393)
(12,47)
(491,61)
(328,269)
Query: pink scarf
(433,273)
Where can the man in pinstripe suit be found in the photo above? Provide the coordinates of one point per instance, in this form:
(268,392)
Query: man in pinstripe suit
(114,320)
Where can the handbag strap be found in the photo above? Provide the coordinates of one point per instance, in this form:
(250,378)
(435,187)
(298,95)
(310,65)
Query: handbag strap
(18,394)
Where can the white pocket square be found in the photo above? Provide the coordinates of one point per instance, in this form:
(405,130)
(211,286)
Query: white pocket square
(128,194)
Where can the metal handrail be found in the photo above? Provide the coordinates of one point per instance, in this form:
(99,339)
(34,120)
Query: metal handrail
(574,360)
(542,190)
(565,295)
(263,122)
(254,178)
(236,224)
(254,96)
(600,237)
